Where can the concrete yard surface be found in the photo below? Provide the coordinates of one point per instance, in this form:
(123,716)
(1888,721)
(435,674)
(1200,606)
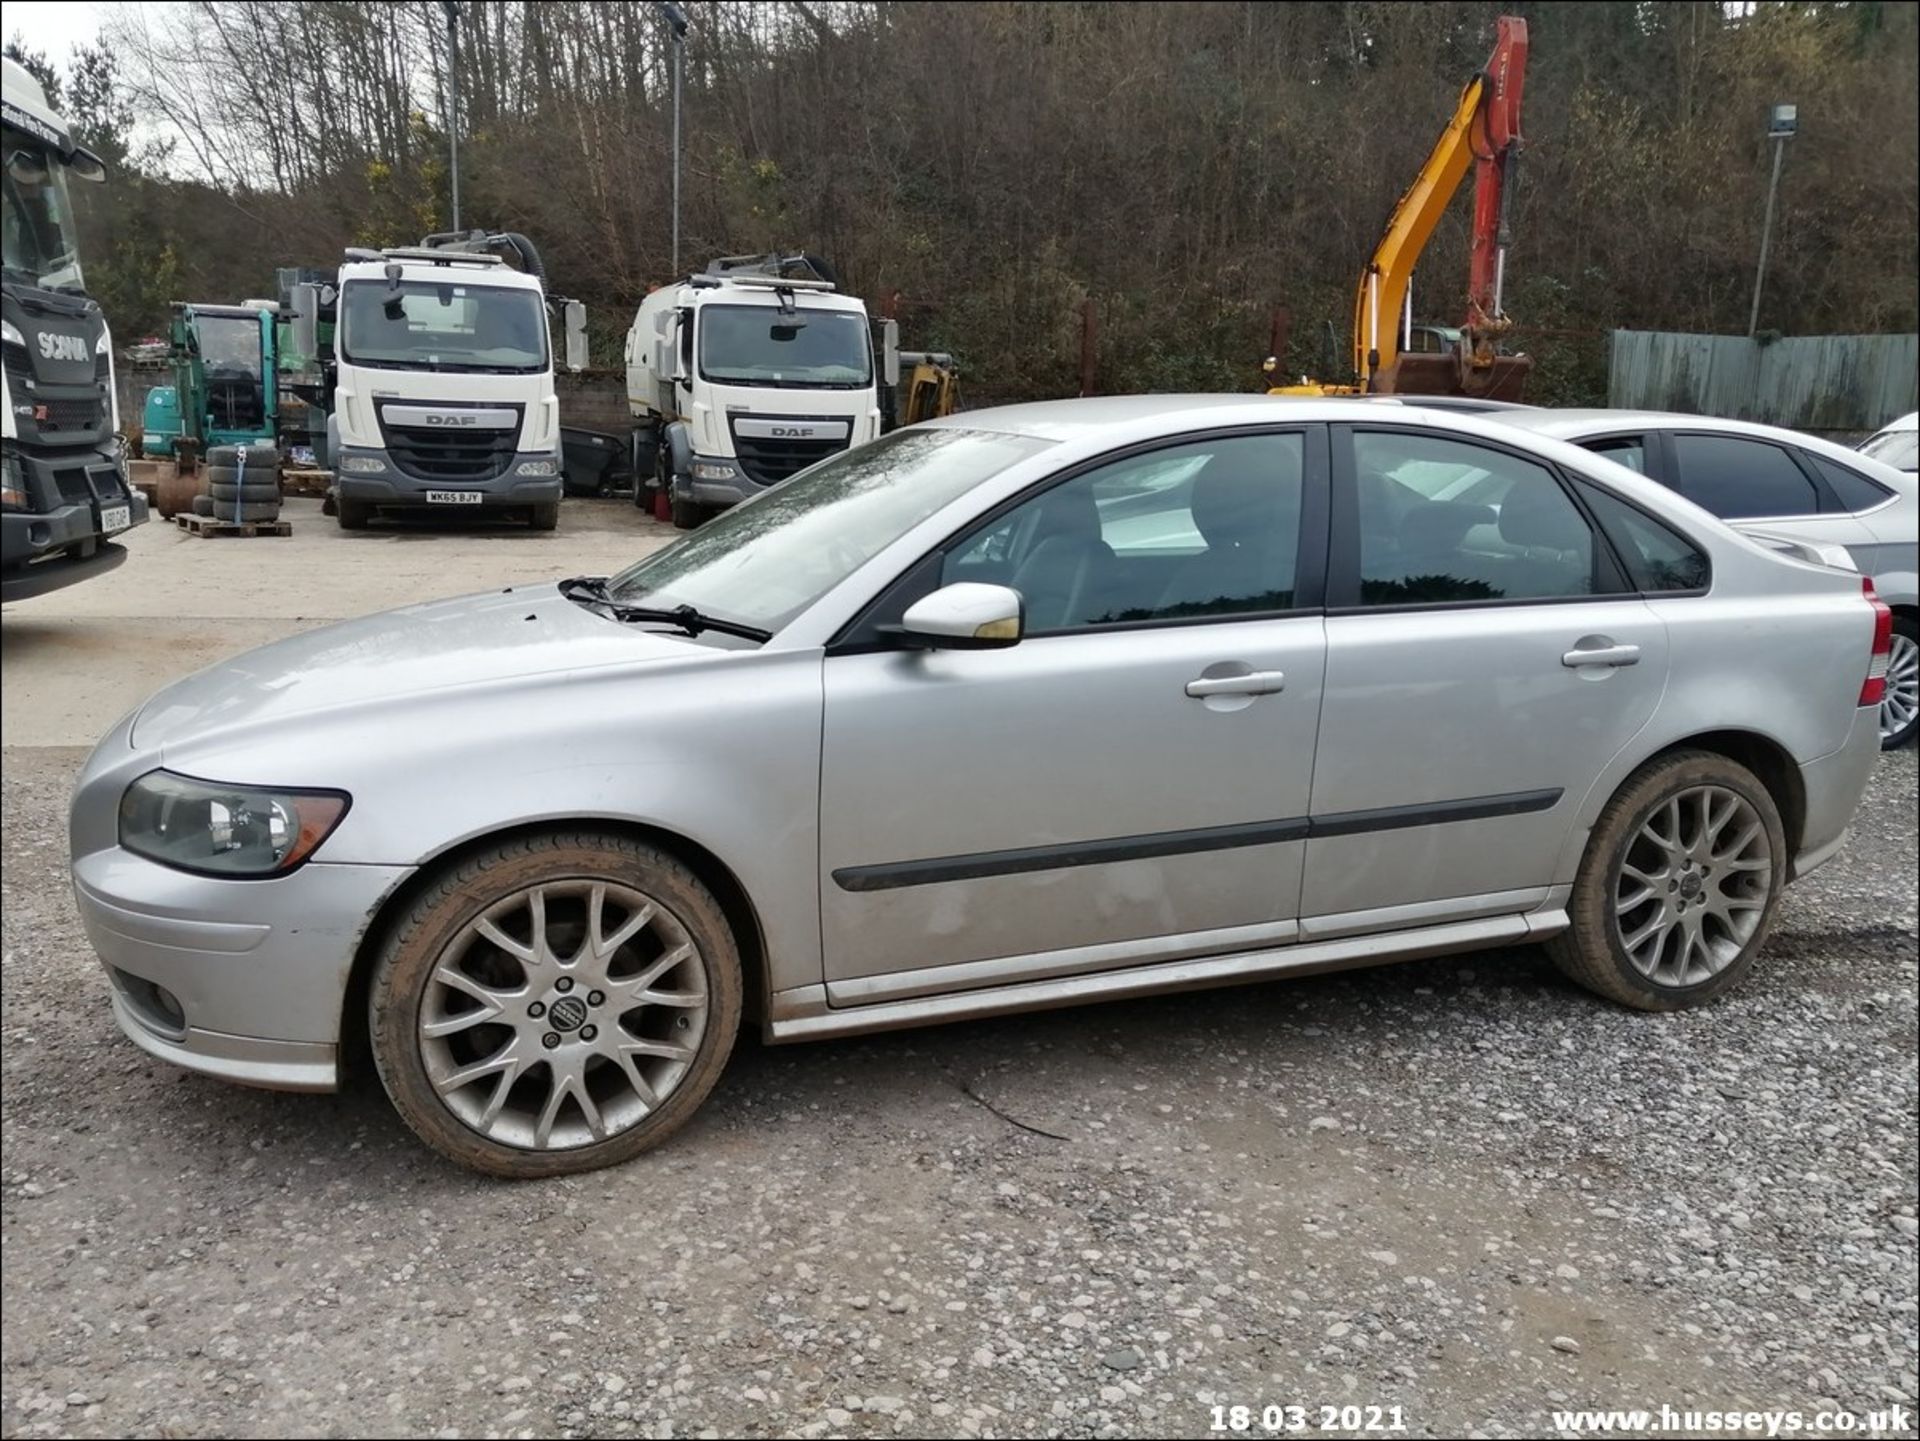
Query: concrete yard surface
(1460,1187)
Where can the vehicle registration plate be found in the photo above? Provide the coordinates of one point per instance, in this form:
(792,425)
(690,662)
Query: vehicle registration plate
(453,497)
(114,518)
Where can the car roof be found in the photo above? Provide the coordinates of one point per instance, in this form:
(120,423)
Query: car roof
(1576,424)
(1909,421)
(1064,420)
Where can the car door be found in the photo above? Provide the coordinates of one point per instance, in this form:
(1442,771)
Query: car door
(1129,782)
(1486,659)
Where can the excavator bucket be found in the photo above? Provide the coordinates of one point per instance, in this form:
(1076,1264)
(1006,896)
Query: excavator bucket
(1504,379)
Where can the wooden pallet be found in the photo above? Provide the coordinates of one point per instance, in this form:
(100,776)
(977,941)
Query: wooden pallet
(207,525)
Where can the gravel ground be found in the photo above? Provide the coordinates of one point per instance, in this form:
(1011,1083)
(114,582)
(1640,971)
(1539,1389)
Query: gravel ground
(1458,1187)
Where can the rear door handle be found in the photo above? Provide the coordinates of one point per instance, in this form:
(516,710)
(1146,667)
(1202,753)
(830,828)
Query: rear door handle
(1259,682)
(1601,653)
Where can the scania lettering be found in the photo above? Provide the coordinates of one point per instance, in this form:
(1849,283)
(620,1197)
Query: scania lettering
(65,489)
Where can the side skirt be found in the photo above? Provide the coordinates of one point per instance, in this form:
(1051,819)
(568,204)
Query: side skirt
(802,1014)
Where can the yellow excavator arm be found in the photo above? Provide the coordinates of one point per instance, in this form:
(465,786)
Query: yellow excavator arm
(1381,297)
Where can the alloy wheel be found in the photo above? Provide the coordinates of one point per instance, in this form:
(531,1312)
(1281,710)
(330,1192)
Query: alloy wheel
(563,1014)
(1902,700)
(1693,886)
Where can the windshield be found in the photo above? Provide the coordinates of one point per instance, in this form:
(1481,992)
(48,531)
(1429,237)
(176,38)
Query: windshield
(442,325)
(764,562)
(229,344)
(41,246)
(1897,448)
(757,345)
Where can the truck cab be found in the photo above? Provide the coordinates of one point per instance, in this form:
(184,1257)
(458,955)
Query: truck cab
(65,491)
(442,393)
(745,375)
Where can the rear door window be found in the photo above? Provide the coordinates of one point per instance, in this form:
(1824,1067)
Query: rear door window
(1658,558)
(1737,478)
(1627,450)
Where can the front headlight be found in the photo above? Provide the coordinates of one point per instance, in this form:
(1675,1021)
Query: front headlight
(537,467)
(362,464)
(713,470)
(217,830)
(10,333)
(13,484)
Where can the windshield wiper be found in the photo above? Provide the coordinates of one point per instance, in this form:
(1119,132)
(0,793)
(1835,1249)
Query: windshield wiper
(592,590)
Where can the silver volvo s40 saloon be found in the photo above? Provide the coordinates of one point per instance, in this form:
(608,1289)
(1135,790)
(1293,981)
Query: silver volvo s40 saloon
(1012,710)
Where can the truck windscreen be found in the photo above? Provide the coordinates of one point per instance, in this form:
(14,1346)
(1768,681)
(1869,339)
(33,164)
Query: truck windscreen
(431,325)
(749,345)
(230,345)
(38,233)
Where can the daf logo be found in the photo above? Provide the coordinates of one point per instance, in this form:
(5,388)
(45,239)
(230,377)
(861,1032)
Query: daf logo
(453,420)
(793,432)
(62,347)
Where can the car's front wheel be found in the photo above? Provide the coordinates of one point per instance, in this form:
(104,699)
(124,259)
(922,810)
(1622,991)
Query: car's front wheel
(555,1003)
(1679,884)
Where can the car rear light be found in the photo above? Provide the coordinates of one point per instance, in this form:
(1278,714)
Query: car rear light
(1874,689)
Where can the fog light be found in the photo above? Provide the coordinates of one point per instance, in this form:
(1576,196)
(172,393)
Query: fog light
(362,464)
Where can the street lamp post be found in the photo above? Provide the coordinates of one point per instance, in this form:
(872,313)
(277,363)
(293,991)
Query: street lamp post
(676,18)
(453,100)
(1782,120)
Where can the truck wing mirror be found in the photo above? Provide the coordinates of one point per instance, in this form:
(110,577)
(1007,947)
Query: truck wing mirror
(576,325)
(306,321)
(890,351)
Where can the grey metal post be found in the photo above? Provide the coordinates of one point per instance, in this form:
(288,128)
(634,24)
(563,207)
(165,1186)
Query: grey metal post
(676,18)
(453,100)
(1782,120)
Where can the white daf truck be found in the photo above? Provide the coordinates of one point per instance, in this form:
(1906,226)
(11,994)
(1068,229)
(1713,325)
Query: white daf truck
(438,381)
(65,492)
(744,374)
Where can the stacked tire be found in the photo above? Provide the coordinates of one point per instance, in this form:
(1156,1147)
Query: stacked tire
(243,482)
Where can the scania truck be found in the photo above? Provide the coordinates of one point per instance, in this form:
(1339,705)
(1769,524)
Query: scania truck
(64,493)
(438,383)
(744,374)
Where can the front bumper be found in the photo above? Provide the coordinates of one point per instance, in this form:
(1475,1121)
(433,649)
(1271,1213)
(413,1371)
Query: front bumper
(59,541)
(243,980)
(392,486)
(59,568)
(717,492)
(1834,785)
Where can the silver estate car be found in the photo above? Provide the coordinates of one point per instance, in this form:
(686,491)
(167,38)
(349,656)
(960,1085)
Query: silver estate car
(1016,709)
(1782,482)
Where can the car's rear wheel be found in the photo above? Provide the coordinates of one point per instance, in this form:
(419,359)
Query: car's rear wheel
(1900,709)
(554,1004)
(1679,884)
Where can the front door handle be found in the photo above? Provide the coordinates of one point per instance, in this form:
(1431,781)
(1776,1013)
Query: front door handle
(1258,682)
(1599,650)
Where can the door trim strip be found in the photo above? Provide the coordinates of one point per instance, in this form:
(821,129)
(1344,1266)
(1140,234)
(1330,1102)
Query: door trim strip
(892,875)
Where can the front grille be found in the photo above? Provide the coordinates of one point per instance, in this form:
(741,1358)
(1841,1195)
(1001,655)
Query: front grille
(464,456)
(67,417)
(72,483)
(766,460)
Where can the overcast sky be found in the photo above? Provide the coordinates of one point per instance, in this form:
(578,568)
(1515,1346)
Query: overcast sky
(55,26)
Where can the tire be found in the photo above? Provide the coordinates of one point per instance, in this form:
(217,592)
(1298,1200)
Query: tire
(1731,911)
(352,514)
(686,515)
(265,471)
(545,517)
(253,494)
(1900,711)
(248,510)
(203,505)
(224,456)
(437,933)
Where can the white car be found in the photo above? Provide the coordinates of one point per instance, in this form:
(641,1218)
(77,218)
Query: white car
(1762,478)
(1897,445)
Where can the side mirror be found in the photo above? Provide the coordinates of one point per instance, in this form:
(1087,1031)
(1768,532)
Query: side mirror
(576,335)
(85,165)
(965,616)
(890,352)
(306,322)
(667,362)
